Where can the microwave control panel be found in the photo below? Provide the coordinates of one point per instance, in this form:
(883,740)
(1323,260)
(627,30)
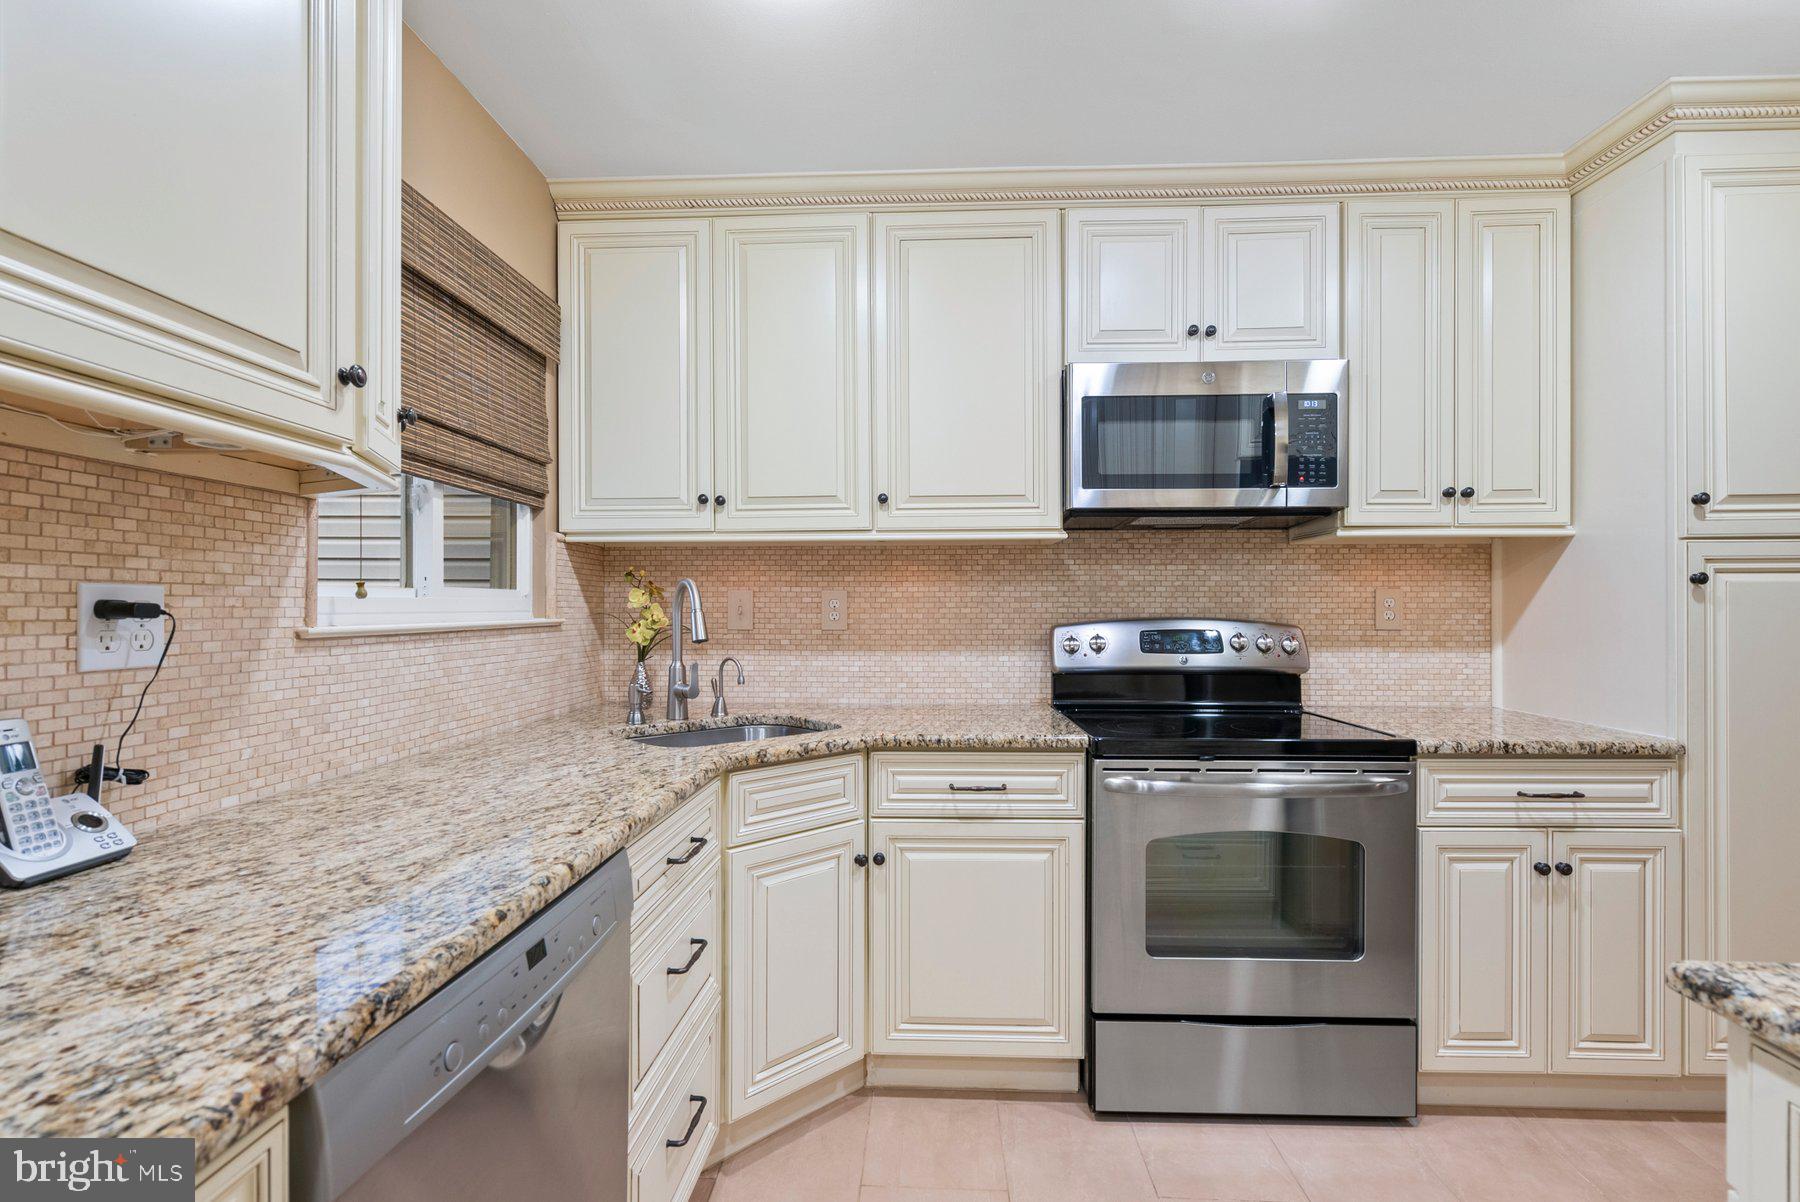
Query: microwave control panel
(1312,440)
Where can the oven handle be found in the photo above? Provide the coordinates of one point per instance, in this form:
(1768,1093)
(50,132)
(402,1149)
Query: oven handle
(1267,784)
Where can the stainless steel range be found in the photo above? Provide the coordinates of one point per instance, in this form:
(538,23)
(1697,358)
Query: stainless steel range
(1252,910)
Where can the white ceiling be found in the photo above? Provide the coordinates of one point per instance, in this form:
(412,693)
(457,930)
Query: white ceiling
(705,87)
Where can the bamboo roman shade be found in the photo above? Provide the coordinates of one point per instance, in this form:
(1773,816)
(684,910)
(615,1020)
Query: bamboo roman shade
(476,339)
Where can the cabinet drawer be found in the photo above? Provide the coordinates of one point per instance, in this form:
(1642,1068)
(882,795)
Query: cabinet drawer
(255,1169)
(790,798)
(686,1115)
(976,784)
(674,850)
(674,965)
(1521,792)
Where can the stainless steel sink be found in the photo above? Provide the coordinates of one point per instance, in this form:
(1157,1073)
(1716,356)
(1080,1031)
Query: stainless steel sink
(712,736)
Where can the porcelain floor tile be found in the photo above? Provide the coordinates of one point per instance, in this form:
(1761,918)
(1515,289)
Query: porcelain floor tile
(1369,1161)
(1630,1157)
(1059,1152)
(901,1193)
(817,1160)
(934,1143)
(1488,1156)
(1225,1159)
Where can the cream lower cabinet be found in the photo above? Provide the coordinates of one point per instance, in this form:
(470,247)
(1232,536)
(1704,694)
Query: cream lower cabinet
(253,1170)
(207,258)
(1544,951)
(1763,1140)
(976,938)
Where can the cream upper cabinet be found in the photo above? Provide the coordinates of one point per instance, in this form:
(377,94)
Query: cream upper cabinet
(1743,759)
(1400,335)
(1740,394)
(1512,361)
(1269,282)
(1133,286)
(967,370)
(1008,984)
(636,384)
(206,256)
(791,372)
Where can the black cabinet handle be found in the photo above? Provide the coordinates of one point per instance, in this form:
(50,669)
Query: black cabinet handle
(1571,795)
(1699,578)
(703,498)
(1466,492)
(1193,331)
(956,788)
(354,375)
(699,950)
(1541,868)
(881,498)
(1564,868)
(860,860)
(1701,498)
(1211,331)
(880,859)
(692,1123)
(698,842)
(719,500)
(1449,491)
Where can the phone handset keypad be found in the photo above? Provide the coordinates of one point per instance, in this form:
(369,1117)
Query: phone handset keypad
(30,822)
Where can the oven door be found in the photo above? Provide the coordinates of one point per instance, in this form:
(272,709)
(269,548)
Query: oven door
(1268,890)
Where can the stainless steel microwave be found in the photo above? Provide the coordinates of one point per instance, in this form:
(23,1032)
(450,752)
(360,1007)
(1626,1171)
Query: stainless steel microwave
(1255,444)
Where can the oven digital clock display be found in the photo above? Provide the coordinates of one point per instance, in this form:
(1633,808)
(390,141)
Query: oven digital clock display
(1180,642)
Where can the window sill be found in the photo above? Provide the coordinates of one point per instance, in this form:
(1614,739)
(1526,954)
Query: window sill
(376,632)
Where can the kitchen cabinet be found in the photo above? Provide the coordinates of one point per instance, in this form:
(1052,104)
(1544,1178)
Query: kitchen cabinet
(1763,1143)
(670,1151)
(967,371)
(255,1169)
(260,254)
(976,938)
(1133,289)
(1741,244)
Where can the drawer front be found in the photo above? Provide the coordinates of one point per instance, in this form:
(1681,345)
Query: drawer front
(976,784)
(790,798)
(672,851)
(664,1173)
(674,965)
(1573,792)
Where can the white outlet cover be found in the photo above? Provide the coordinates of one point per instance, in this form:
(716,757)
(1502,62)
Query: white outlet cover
(91,655)
(1389,615)
(834,611)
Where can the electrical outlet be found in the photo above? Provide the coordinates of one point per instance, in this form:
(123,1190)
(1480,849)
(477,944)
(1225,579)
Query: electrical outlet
(738,613)
(834,615)
(109,646)
(1388,613)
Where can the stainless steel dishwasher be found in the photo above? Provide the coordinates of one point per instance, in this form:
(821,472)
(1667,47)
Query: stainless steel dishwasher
(509,1082)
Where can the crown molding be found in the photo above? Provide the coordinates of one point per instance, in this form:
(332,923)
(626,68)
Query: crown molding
(1739,102)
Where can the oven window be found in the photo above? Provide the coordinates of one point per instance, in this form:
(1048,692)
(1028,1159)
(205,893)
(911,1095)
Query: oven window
(1178,442)
(1269,895)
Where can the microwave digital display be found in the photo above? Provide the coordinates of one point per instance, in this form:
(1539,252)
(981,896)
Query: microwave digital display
(1180,642)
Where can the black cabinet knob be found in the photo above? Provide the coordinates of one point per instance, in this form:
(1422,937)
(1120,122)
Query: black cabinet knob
(1564,868)
(1701,498)
(1193,331)
(860,859)
(1449,491)
(354,375)
(1211,331)
(1466,492)
(881,498)
(703,498)
(880,859)
(719,500)
(1698,578)
(1541,868)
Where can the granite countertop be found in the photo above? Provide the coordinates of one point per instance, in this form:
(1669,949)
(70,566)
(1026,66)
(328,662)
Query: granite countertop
(196,987)
(1762,997)
(1481,730)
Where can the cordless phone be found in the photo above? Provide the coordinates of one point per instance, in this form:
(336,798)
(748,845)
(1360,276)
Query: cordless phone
(41,836)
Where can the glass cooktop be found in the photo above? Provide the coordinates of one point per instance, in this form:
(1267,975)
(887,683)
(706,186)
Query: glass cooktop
(1174,733)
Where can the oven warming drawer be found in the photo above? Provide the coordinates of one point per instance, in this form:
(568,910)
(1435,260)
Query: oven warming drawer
(1188,1066)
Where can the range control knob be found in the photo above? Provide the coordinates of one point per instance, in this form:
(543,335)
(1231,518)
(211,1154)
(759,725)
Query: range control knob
(1097,643)
(453,1055)
(1238,641)
(1070,644)
(1289,644)
(1264,643)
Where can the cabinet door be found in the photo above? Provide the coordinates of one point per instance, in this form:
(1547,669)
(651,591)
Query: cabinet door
(976,938)
(1134,285)
(197,241)
(795,962)
(1615,926)
(1742,762)
(1270,282)
(635,396)
(1399,325)
(1739,396)
(791,375)
(1483,951)
(1773,1134)
(967,370)
(1512,356)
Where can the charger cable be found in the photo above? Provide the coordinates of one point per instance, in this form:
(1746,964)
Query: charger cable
(111,610)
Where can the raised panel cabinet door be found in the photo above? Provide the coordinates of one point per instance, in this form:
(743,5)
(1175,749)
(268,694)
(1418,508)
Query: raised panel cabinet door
(1773,1122)
(253,1170)
(1740,393)
(1133,288)
(1270,282)
(1512,361)
(791,372)
(794,962)
(1615,926)
(1742,761)
(181,221)
(1483,951)
(635,395)
(976,938)
(968,331)
(1400,327)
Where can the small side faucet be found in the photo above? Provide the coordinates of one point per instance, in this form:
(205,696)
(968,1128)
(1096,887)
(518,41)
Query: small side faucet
(718,685)
(682,684)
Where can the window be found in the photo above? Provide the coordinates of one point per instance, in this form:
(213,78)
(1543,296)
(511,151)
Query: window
(425,554)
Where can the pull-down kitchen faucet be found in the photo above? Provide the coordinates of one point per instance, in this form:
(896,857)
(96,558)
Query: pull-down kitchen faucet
(680,687)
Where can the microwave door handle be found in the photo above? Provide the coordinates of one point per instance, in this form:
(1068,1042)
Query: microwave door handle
(1266,786)
(1278,439)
